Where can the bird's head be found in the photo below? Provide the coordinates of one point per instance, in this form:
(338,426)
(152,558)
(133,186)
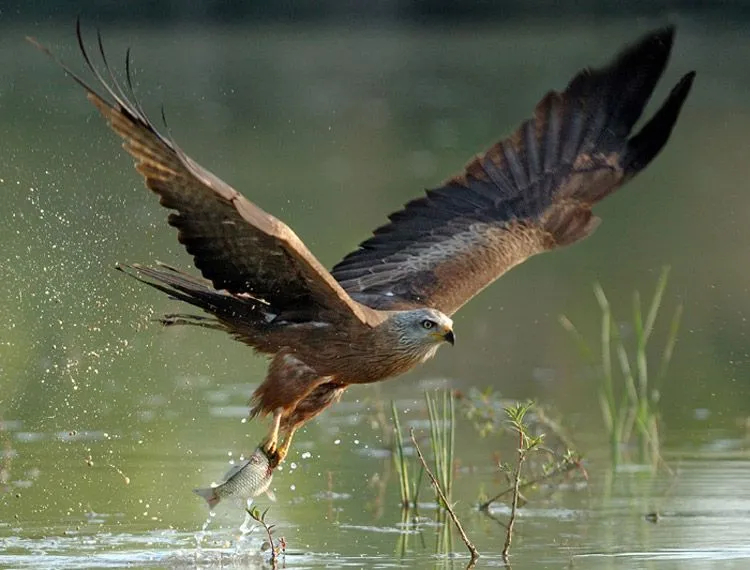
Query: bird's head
(423,330)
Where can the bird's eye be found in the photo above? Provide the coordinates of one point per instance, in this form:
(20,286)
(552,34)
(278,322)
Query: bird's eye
(428,324)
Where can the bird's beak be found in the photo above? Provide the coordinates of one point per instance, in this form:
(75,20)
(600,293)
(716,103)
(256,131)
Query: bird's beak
(444,335)
(448,336)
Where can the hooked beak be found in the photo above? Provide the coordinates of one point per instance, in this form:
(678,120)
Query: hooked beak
(448,336)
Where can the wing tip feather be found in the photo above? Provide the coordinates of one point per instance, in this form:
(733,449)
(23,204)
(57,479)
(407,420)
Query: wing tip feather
(563,128)
(643,147)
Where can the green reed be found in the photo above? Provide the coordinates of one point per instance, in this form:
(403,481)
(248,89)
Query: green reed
(441,412)
(409,489)
(629,391)
(442,436)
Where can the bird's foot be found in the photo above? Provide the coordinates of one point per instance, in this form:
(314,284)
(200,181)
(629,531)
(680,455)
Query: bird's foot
(270,449)
(269,446)
(283,449)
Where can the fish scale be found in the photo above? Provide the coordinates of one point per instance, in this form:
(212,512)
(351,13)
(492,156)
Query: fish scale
(243,481)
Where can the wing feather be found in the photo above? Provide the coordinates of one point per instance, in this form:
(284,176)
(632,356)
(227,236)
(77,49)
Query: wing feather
(236,245)
(527,194)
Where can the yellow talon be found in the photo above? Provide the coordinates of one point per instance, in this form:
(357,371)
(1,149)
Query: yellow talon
(282,451)
(271,442)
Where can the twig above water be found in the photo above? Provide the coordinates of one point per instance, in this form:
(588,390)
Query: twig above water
(514,502)
(567,465)
(472,549)
(276,549)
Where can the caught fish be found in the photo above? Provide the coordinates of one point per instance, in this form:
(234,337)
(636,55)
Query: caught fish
(243,481)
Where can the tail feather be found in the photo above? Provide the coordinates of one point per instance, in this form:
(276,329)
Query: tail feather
(172,319)
(200,293)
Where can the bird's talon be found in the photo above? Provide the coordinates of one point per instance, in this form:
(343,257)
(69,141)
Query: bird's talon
(279,455)
(269,447)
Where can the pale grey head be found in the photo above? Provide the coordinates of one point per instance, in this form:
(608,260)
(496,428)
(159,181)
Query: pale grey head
(422,331)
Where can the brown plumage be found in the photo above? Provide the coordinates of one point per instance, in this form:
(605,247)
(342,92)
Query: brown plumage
(385,307)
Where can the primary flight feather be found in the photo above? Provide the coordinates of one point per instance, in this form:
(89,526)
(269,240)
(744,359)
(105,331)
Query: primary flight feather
(386,306)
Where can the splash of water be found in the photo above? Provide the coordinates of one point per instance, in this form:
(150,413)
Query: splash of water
(201,534)
(247,525)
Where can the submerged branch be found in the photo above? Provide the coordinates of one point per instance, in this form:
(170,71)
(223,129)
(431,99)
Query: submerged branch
(472,549)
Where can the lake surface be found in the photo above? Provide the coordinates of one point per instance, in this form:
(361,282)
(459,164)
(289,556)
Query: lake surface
(107,421)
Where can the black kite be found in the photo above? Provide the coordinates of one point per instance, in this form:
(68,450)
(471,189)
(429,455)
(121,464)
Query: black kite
(386,306)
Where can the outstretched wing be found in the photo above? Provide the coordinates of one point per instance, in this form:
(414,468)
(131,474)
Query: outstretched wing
(527,194)
(235,244)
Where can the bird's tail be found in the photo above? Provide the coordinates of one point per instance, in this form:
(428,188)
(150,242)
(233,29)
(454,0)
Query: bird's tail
(199,292)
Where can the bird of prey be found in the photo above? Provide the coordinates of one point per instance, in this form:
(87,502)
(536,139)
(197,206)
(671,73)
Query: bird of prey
(387,306)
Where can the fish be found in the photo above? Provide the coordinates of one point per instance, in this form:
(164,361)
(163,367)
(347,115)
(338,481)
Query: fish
(243,481)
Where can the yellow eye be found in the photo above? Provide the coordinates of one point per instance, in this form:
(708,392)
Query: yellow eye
(428,324)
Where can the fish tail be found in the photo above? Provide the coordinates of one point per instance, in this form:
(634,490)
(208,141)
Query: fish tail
(210,495)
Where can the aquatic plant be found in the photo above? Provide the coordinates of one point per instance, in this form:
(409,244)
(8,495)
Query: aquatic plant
(441,412)
(526,444)
(557,466)
(442,498)
(409,489)
(629,393)
(485,409)
(489,413)
(442,436)
(442,424)
(278,547)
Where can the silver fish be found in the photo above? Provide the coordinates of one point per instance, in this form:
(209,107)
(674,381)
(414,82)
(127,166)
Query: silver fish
(243,481)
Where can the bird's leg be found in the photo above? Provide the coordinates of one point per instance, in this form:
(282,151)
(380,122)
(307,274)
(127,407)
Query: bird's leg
(284,449)
(271,441)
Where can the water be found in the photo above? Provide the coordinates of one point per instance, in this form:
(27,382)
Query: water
(108,422)
(338,508)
